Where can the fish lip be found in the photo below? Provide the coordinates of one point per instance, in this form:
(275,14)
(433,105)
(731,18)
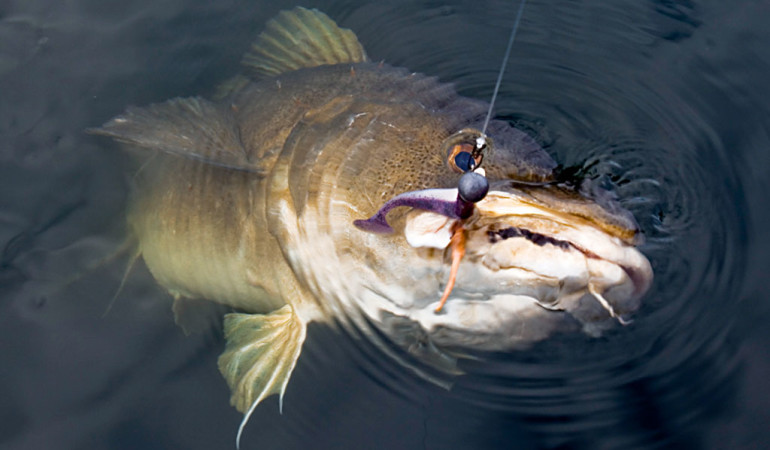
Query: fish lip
(641,276)
(642,279)
(566,232)
(585,201)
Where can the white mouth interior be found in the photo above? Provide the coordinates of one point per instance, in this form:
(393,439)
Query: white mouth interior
(544,259)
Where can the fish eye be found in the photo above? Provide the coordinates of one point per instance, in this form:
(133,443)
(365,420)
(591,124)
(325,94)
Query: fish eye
(464,161)
(460,158)
(465,150)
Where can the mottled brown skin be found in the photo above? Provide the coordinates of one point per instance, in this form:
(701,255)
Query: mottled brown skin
(415,114)
(365,131)
(250,201)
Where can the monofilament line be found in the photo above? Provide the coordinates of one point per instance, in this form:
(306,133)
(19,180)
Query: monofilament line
(502,70)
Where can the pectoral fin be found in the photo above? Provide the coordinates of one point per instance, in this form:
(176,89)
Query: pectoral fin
(190,127)
(261,352)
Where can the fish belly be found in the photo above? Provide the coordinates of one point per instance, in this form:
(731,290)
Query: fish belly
(202,233)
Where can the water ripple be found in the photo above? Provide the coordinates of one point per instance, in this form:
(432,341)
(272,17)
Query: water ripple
(603,90)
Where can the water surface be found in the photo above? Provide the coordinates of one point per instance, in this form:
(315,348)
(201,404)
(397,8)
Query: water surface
(664,101)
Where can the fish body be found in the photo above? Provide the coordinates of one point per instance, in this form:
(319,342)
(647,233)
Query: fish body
(250,201)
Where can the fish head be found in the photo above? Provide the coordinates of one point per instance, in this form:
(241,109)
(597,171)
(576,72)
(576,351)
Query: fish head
(539,254)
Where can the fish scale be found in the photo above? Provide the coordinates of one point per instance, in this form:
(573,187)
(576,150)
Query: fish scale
(253,197)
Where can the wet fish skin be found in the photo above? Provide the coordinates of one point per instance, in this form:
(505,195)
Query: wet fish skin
(250,200)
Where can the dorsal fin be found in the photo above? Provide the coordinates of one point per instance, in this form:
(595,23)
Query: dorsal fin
(301,38)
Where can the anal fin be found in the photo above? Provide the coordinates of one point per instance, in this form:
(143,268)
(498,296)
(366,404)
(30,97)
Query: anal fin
(260,355)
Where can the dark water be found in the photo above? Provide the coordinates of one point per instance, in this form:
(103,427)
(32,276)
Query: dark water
(666,100)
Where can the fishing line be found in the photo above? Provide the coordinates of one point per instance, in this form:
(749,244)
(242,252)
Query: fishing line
(481,141)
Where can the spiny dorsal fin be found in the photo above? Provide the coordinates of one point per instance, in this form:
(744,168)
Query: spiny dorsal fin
(261,352)
(301,38)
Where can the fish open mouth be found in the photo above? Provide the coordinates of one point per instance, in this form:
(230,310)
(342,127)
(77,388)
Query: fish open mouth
(515,250)
(639,276)
(537,238)
(518,244)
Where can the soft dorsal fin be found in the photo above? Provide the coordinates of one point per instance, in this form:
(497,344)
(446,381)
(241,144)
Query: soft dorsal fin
(301,38)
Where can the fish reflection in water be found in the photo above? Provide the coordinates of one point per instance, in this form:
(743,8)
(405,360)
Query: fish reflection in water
(258,201)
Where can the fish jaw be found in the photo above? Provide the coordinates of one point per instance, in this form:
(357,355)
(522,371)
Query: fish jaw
(528,271)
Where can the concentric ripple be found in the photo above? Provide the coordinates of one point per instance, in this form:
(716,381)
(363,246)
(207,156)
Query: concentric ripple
(606,90)
(662,102)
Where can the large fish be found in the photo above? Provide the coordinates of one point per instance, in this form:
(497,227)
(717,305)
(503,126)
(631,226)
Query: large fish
(259,201)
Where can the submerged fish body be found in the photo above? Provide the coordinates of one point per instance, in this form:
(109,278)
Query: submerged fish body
(250,201)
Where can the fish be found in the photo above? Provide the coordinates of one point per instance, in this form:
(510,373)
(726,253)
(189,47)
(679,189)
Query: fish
(318,185)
